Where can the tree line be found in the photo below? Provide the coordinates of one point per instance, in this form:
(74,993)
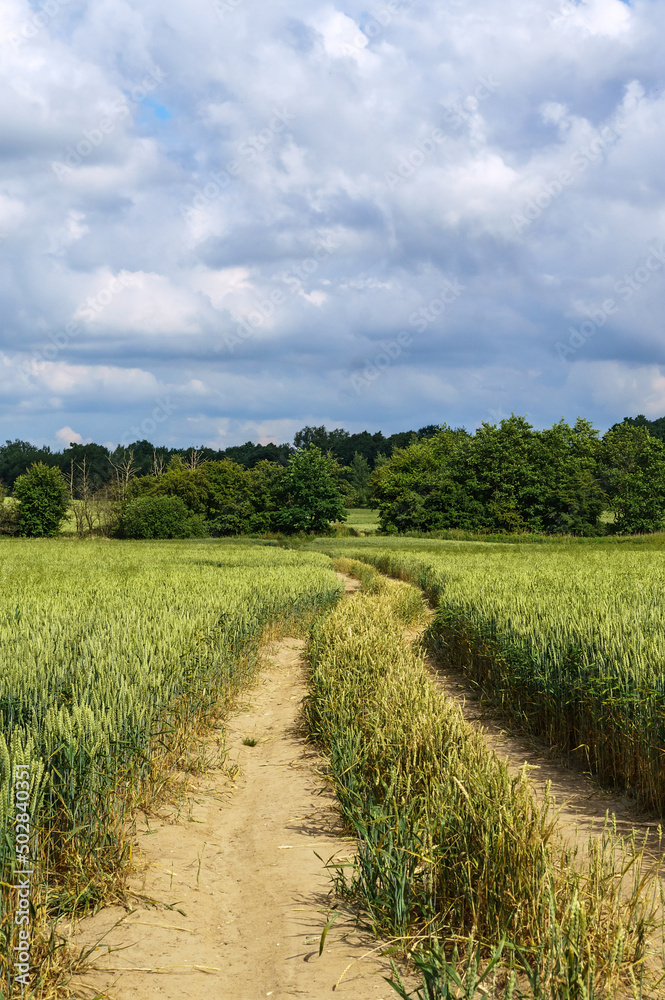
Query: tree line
(512,478)
(181,500)
(505,477)
(357,454)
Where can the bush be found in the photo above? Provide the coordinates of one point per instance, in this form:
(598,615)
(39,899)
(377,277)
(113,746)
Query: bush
(231,499)
(8,516)
(160,517)
(43,501)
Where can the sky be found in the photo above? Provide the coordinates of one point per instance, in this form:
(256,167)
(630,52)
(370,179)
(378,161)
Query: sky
(221,221)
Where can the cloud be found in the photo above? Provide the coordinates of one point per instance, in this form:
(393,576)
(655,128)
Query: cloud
(248,211)
(66,436)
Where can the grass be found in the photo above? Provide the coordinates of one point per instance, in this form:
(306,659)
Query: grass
(113,656)
(567,641)
(362,519)
(456,861)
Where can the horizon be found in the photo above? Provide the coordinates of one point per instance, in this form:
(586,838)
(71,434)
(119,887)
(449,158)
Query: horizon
(111,447)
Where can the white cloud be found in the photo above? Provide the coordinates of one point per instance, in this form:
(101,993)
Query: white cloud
(632,389)
(342,37)
(66,436)
(598,17)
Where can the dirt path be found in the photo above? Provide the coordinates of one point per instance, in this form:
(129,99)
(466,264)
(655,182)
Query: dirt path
(239,896)
(249,897)
(581,803)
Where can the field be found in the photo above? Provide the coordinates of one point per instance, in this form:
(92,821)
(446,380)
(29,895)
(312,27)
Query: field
(362,519)
(568,640)
(450,844)
(112,654)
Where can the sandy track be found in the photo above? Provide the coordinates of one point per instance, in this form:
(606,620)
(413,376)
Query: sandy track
(248,896)
(581,803)
(243,871)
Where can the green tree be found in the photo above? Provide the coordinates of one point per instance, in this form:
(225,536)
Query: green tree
(43,501)
(250,455)
(266,479)
(359,474)
(570,468)
(8,514)
(190,485)
(17,456)
(634,474)
(655,427)
(231,503)
(504,476)
(232,499)
(95,459)
(160,517)
(423,487)
(310,495)
(143,455)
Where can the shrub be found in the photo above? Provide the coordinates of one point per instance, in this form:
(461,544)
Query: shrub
(8,516)
(43,501)
(160,517)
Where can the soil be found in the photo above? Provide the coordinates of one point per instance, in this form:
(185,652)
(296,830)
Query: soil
(232,899)
(581,805)
(580,802)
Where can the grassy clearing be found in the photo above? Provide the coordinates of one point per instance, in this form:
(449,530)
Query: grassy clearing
(362,519)
(568,642)
(113,656)
(453,852)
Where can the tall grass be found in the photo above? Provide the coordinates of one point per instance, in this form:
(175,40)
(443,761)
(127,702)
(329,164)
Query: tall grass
(568,642)
(111,655)
(450,845)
